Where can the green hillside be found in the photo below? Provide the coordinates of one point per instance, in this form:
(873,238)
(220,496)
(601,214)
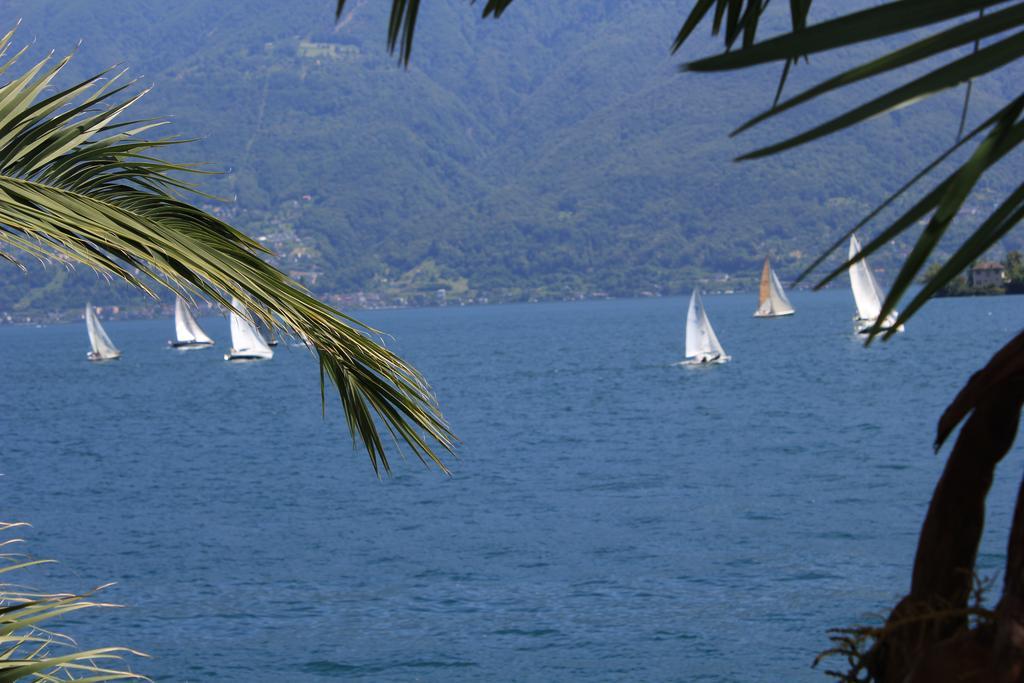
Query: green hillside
(554,153)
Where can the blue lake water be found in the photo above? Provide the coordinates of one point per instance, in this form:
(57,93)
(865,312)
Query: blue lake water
(611,517)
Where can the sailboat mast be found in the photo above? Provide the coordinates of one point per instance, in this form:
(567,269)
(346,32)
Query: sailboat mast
(90,326)
(766,286)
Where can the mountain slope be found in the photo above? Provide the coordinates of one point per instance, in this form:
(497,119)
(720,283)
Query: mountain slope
(554,152)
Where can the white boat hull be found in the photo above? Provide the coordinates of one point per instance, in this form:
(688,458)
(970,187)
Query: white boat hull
(717,360)
(758,314)
(244,357)
(864,326)
(189,345)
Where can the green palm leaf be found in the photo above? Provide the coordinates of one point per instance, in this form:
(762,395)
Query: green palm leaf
(1005,136)
(956,36)
(28,650)
(947,76)
(907,219)
(402,23)
(77,185)
(1006,140)
(1006,25)
(877,22)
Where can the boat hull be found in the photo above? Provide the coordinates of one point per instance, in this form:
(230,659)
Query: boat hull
(97,358)
(717,360)
(186,345)
(758,314)
(236,357)
(863,326)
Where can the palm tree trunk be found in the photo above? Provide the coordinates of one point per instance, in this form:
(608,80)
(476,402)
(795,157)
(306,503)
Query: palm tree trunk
(927,637)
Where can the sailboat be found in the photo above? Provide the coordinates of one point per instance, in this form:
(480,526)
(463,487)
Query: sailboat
(867,294)
(702,346)
(772,302)
(102,347)
(246,341)
(188,334)
(268,334)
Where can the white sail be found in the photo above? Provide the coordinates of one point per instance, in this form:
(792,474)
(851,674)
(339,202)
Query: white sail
(102,347)
(246,341)
(186,329)
(702,345)
(867,293)
(773,301)
(780,302)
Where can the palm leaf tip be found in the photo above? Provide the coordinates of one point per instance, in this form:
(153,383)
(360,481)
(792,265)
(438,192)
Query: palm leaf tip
(403,18)
(76,185)
(32,651)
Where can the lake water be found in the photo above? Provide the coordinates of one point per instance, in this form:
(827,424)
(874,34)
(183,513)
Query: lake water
(611,517)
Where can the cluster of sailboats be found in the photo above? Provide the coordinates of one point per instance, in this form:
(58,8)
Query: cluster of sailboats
(703,347)
(247,342)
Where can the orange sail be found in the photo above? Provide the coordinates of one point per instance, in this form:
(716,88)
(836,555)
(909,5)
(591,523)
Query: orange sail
(772,301)
(766,283)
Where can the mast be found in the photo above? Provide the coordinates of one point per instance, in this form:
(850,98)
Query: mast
(780,303)
(186,329)
(181,332)
(867,293)
(693,328)
(99,341)
(772,301)
(765,292)
(865,288)
(701,341)
(246,341)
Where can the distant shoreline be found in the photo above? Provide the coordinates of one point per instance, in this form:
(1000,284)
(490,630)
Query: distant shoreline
(165,312)
(986,291)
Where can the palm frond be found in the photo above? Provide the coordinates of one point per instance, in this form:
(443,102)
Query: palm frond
(77,185)
(29,650)
(947,76)
(1005,131)
(959,35)
(896,16)
(402,23)
(738,21)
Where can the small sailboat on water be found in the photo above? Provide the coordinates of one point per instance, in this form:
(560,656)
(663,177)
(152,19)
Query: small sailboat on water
(702,345)
(867,294)
(268,334)
(188,334)
(246,341)
(102,347)
(772,302)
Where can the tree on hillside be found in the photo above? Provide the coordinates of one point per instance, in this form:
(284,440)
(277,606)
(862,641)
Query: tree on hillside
(79,185)
(1014,273)
(934,633)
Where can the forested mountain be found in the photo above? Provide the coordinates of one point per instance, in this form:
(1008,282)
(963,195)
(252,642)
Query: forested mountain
(556,152)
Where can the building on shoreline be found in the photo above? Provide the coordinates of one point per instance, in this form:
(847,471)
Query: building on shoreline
(987,274)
